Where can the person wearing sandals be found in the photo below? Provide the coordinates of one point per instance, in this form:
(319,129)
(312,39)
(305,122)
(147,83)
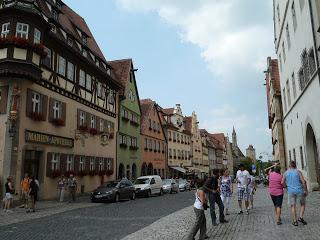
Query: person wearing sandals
(8,195)
(243,179)
(226,190)
(200,205)
(297,192)
(276,192)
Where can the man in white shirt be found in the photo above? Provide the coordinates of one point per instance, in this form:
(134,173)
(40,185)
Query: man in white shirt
(243,180)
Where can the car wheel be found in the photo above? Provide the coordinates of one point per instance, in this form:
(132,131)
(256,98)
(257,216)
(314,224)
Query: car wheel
(149,193)
(133,197)
(171,191)
(161,192)
(185,189)
(117,197)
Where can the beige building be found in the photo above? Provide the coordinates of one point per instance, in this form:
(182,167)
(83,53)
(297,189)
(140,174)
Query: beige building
(58,102)
(179,141)
(275,114)
(251,153)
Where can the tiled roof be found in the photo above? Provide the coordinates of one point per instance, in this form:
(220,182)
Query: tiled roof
(219,140)
(168,111)
(121,70)
(275,74)
(146,106)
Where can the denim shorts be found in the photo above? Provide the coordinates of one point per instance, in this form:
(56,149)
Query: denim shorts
(294,198)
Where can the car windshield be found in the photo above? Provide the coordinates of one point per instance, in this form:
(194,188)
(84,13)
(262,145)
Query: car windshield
(166,181)
(142,181)
(110,184)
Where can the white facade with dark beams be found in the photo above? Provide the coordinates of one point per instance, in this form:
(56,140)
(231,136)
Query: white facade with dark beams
(58,104)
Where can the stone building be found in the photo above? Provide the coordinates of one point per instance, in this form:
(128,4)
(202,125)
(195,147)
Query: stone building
(129,142)
(297,40)
(179,141)
(275,113)
(153,140)
(59,97)
(251,153)
(236,151)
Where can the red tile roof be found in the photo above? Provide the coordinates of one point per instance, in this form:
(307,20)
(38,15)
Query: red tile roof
(168,111)
(121,69)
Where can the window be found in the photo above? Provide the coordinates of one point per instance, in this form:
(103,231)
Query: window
(145,143)
(22,30)
(123,139)
(294,89)
(294,155)
(70,163)
(62,66)
(55,162)
(284,52)
(150,144)
(290,158)
(101,125)
(312,64)
(70,73)
(302,80)
(169,135)
(84,39)
(82,163)
(294,16)
(288,93)
(93,122)
(174,153)
(37,36)
(301,157)
(84,52)
(89,82)
(101,164)
(82,118)
(170,153)
(5,30)
(288,36)
(82,78)
(278,13)
(55,15)
(159,147)
(57,109)
(154,145)
(284,100)
(174,137)
(92,161)
(35,102)
(47,60)
(99,88)
(109,161)
(70,41)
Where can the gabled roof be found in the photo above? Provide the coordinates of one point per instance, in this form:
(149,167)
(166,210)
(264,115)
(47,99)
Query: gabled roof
(121,69)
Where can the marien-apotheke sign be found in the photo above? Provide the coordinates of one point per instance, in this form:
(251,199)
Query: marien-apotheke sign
(48,139)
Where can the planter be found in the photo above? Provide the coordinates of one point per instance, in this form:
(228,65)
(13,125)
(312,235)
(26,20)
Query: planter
(111,136)
(126,119)
(56,173)
(122,145)
(92,173)
(58,122)
(37,116)
(82,173)
(102,173)
(133,148)
(109,172)
(133,123)
(93,131)
(83,128)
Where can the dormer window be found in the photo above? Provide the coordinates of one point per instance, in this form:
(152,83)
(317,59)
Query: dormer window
(37,36)
(97,62)
(84,39)
(58,5)
(70,41)
(5,30)
(55,15)
(53,28)
(84,52)
(22,30)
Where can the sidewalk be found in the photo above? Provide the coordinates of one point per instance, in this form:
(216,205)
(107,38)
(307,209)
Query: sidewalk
(43,209)
(260,224)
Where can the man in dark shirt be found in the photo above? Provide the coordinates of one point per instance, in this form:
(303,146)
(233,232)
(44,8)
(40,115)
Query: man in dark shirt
(212,186)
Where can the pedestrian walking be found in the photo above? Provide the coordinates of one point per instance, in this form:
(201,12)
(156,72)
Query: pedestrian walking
(200,205)
(212,187)
(252,189)
(25,185)
(297,192)
(276,192)
(9,191)
(61,186)
(226,190)
(243,180)
(72,187)
(33,193)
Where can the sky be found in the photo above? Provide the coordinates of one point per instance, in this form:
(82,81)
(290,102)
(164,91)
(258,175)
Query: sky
(207,55)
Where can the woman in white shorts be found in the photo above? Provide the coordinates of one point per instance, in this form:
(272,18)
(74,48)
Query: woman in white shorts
(8,195)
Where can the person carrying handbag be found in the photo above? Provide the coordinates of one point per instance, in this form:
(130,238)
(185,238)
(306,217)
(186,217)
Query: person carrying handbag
(199,206)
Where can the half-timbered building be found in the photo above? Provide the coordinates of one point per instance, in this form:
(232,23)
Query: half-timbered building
(58,97)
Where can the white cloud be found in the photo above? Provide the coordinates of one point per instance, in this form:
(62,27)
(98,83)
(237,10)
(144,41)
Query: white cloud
(232,35)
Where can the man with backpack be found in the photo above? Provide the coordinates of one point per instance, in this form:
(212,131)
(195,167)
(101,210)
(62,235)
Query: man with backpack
(33,194)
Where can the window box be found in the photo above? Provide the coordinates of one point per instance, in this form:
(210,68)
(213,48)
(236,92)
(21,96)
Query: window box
(150,128)
(155,150)
(37,116)
(93,131)
(159,151)
(58,122)
(123,145)
(109,172)
(68,173)
(102,173)
(174,140)
(136,124)
(56,173)
(146,149)
(175,157)
(126,119)
(170,139)
(92,172)
(150,149)
(24,43)
(162,151)
(134,148)
(83,128)
(83,173)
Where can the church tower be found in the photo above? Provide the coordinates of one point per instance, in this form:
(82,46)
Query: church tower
(234,139)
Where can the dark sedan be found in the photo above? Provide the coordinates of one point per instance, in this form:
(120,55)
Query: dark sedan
(114,191)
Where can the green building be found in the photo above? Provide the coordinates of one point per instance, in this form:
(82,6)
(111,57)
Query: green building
(128,137)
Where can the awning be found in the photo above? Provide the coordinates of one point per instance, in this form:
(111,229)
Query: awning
(179,169)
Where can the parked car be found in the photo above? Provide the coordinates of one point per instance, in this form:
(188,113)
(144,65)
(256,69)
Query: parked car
(170,186)
(114,191)
(148,185)
(184,185)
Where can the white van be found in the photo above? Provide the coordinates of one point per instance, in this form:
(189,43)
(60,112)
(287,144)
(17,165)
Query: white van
(148,185)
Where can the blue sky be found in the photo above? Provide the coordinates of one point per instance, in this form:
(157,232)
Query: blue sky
(207,55)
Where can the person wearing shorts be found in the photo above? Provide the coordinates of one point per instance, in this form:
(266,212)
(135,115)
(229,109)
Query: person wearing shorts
(243,180)
(8,194)
(297,192)
(276,192)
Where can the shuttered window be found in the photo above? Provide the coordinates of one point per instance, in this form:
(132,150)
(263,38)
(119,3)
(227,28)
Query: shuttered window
(36,107)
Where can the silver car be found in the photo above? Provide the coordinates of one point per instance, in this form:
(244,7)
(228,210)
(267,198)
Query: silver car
(184,185)
(170,186)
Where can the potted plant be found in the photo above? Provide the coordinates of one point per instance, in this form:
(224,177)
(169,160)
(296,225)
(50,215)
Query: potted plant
(58,122)
(36,116)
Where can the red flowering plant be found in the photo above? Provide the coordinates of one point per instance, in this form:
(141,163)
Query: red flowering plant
(83,128)
(37,116)
(93,131)
(58,122)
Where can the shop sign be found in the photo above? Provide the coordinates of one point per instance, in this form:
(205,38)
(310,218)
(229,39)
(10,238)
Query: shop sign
(43,138)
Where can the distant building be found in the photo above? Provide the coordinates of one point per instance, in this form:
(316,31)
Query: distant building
(236,152)
(275,113)
(251,153)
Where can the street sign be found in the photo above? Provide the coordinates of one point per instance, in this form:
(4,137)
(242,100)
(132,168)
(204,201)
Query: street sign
(253,168)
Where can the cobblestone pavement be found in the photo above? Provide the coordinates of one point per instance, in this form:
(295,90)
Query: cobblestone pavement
(260,224)
(111,221)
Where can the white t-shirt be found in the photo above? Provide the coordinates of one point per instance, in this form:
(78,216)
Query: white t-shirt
(242,177)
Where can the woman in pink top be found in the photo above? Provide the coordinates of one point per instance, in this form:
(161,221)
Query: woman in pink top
(276,192)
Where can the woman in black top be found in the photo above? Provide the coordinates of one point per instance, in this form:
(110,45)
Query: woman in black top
(8,195)
(33,193)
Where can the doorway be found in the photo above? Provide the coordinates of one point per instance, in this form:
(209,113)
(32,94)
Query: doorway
(32,163)
(312,157)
